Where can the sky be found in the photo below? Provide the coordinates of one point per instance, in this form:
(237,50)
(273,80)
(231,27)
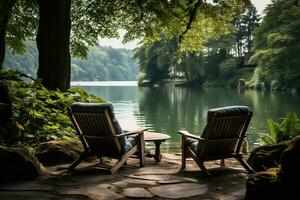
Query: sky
(117,43)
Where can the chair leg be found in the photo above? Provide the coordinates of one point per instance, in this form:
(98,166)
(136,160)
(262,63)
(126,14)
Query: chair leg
(203,168)
(184,152)
(201,165)
(141,149)
(245,164)
(83,156)
(123,159)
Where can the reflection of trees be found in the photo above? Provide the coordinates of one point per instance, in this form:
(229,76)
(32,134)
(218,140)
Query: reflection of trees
(171,109)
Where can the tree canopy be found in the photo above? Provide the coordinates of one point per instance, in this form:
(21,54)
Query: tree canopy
(191,21)
(220,61)
(75,25)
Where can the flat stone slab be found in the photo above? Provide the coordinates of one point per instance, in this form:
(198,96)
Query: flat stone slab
(139,181)
(101,191)
(150,177)
(227,197)
(137,192)
(177,191)
(162,180)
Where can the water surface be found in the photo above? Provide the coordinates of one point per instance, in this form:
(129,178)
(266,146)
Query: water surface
(169,109)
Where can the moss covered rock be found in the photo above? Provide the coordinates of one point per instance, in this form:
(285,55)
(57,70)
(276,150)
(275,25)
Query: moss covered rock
(264,157)
(281,182)
(263,185)
(17,163)
(290,161)
(58,152)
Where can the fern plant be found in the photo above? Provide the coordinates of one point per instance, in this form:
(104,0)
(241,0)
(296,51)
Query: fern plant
(287,128)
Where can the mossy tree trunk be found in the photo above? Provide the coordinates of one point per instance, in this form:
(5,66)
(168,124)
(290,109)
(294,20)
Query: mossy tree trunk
(53,41)
(5,11)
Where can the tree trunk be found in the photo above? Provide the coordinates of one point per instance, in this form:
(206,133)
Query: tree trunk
(5,11)
(53,41)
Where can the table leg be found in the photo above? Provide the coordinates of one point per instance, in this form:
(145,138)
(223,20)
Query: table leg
(157,155)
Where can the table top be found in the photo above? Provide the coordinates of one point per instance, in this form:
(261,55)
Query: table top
(151,136)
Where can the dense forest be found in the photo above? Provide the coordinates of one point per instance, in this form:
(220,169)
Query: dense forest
(101,64)
(220,63)
(274,40)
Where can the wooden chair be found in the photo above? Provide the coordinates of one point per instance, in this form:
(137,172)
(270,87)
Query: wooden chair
(101,135)
(222,137)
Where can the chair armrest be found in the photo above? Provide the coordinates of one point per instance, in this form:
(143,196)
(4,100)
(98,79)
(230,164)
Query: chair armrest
(187,134)
(134,132)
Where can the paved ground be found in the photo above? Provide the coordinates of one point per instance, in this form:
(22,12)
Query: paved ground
(162,180)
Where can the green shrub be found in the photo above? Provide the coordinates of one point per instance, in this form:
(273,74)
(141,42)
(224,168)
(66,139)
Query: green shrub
(287,128)
(41,114)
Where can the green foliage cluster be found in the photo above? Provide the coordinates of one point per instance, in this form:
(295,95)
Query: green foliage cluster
(41,114)
(191,21)
(219,64)
(102,64)
(287,128)
(156,60)
(277,43)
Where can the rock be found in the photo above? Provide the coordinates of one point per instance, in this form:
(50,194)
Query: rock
(290,161)
(58,152)
(179,191)
(278,183)
(137,192)
(263,185)
(150,177)
(139,181)
(17,163)
(268,156)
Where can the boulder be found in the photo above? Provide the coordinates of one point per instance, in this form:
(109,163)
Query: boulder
(17,163)
(263,185)
(290,161)
(268,156)
(58,152)
(280,182)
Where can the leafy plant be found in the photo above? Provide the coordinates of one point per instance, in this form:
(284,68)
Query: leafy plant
(286,129)
(41,113)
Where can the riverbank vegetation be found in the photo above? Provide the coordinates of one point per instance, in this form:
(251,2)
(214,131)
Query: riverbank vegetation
(284,129)
(220,63)
(226,59)
(38,114)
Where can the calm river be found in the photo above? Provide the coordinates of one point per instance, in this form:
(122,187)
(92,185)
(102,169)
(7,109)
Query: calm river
(169,109)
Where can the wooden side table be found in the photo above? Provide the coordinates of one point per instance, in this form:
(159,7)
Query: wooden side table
(157,138)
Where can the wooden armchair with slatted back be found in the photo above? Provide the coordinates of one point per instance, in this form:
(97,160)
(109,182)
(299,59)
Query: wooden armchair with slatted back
(222,137)
(101,135)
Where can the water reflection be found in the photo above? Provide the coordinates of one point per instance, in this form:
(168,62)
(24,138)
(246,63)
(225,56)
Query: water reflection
(169,109)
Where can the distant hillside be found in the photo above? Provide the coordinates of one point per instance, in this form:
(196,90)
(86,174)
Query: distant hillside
(102,64)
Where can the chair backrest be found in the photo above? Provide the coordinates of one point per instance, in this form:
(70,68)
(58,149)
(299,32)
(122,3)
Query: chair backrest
(97,127)
(225,131)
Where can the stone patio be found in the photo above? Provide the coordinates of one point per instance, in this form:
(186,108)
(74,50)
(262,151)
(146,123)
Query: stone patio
(162,180)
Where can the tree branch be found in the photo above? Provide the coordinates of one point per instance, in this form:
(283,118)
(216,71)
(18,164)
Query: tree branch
(193,14)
